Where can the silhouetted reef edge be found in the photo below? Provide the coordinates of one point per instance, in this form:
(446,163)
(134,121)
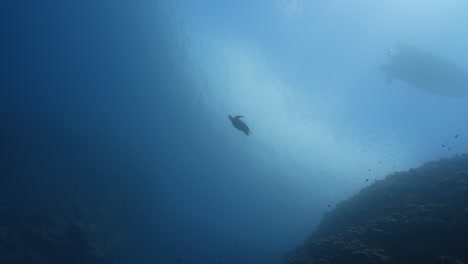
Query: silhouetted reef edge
(416,216)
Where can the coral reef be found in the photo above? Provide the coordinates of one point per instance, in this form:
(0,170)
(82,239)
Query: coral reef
(417,216)
(59,232)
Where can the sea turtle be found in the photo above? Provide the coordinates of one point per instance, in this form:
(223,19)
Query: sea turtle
(239,124)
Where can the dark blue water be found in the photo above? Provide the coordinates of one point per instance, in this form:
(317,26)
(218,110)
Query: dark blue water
(129,99)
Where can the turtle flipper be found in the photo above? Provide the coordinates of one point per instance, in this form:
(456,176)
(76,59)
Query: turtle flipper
(239,116)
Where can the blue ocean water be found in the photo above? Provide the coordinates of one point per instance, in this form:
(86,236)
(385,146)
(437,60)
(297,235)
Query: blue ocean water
(133,97)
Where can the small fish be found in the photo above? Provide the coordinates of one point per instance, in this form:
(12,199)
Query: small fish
(367,180)
(329,206)
(380,162)
(443,145)
(456,136)
(449,149)
(369,170)
(179,260)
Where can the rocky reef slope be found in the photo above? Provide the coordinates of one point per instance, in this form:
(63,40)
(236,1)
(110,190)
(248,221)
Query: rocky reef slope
(418,216)
(60,232)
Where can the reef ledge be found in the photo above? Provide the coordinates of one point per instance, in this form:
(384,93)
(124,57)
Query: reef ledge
(415,216)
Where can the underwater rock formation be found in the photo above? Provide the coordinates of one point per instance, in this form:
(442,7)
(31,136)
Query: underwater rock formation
(417,216)
(65,232)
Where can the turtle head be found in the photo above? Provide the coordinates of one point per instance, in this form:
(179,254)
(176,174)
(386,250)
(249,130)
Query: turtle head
(230,118)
